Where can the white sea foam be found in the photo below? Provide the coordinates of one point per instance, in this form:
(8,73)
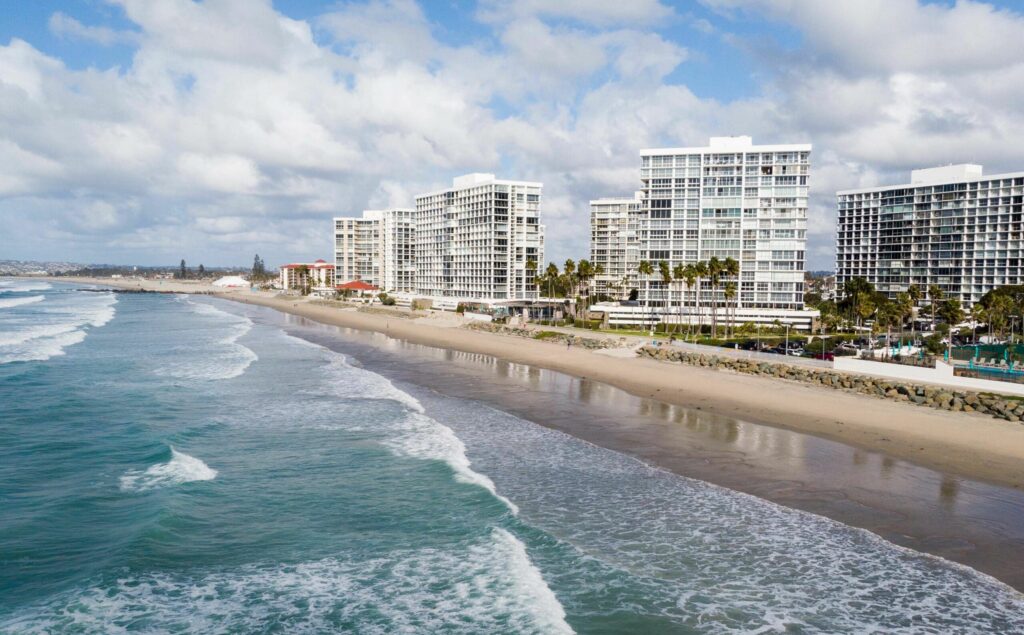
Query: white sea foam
(487,586)
(219,358)
(416,435)
(423,438)
(712,560)
(20,286)
(10,303)
(181,468)
(59,322)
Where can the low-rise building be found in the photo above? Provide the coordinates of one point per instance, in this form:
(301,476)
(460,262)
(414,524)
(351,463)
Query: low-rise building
(315,276)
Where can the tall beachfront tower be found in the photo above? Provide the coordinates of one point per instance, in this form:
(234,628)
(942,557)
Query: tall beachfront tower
(950,226)
(356,255)
(613,243)
(729,199)
(474,241)
(376,248)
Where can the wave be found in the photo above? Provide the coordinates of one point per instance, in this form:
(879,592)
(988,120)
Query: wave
(709,559)
(425,438)
(54,328)
(223,358)
(182,468)
(416,435)
(485,586)
(13,302)
(20,286)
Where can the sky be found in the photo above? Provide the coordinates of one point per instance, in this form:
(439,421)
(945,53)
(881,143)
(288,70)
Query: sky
(147,131)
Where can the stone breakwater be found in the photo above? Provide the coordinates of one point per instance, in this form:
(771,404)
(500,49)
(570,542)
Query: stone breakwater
(919,394)
(557,337)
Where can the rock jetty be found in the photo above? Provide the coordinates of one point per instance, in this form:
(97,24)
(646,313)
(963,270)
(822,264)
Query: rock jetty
(938,397)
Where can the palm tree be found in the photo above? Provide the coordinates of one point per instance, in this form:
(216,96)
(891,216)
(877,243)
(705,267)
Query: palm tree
(731,266)
(666,279)
(700,269)
(678,273)
(978,315)
(584,273)
(730,294)
(302,275)
(689,276)
(551,274)
(934,294)
(914,292)
(715,269)
(905,309)
(645,269)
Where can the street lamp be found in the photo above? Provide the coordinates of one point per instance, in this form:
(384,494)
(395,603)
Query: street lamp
(787,339)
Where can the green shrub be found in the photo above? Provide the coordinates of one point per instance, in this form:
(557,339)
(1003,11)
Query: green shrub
(546,335)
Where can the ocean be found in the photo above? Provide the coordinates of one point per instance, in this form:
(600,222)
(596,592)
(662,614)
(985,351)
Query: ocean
(187,464)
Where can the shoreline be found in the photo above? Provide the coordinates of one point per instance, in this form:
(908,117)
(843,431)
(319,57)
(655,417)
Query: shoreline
(966,444)
(682,429)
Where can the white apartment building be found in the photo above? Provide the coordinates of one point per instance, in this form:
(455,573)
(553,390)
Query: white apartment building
(729,199)
(613,243)
(316,276)
(475,240)
(357,248)
(950,226)
(376,248)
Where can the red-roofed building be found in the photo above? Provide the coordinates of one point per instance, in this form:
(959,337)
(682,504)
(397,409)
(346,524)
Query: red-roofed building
(316,276)
(357,287)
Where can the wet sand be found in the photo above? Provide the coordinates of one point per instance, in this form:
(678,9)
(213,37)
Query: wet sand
(967,521)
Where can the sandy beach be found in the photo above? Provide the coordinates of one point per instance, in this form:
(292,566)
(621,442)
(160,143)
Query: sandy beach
(965,444)
(929,480)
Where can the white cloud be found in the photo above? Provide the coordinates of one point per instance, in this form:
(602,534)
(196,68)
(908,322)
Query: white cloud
(235,128)
(63,25)
(597,12)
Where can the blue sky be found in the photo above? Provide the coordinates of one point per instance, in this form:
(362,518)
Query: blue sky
(144,131)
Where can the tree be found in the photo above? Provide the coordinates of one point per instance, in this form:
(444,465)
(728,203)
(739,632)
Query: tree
(715,270)
(645,269)
(678,276)
(730,294)
(551,275)
(700,270)
(666,279)
(914,292)
(202,270)
(979,316)
(904,308)
(934,294)
(182,271)
(302,273)
(531,275)
(259,271)
(952,313)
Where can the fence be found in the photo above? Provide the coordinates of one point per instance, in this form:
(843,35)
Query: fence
(738,353)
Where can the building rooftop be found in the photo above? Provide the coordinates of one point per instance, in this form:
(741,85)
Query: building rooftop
(479,178)
(730,144)
(958,173)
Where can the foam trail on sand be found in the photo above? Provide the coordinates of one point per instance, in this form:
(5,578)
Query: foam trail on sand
(182,468)
(13,302)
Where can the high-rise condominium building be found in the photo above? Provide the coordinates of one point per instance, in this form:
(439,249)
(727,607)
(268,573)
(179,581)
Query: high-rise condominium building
(729,199)
(476,240)
(950,226)
(613,243)
(376,248)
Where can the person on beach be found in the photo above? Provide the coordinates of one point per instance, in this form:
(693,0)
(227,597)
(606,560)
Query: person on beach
(568,343)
